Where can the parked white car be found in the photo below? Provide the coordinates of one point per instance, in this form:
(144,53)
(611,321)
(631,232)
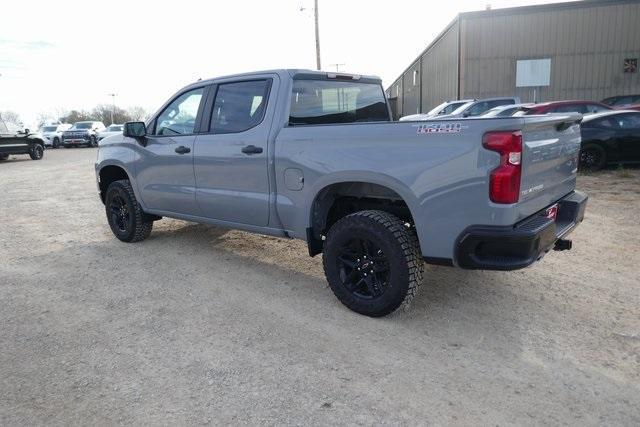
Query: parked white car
(113,129)
(52,134)
(446,107)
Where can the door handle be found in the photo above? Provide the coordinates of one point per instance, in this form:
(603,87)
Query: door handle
(251,149)
(183,150)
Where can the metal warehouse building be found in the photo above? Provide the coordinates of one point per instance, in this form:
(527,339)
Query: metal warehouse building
(577,50)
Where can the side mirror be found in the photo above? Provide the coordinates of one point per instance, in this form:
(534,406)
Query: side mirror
(466,114)
(135,130)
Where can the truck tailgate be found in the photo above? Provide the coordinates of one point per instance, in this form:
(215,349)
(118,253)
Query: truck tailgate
(551,145)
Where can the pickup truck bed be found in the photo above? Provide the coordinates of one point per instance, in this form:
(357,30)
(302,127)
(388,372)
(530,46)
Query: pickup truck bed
(315,156)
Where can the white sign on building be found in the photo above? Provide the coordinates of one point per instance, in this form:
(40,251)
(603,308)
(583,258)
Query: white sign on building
(533,72)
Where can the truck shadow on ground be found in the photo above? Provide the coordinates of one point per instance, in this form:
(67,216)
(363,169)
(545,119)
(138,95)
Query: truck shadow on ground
(444,290)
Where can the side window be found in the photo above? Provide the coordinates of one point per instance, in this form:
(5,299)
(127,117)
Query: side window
(179,118)
(500,102)
(239,106)
(594,108)
(628,121)
(604,123)
(478,109)
(571,108)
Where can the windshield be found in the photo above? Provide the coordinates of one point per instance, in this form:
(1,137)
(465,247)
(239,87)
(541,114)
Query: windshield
(49,128)
(328,101)
(114,128)
(83,125)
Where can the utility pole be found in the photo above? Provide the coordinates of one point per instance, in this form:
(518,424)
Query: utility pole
(337,67)
(315,14)
(113,105)
(315,18)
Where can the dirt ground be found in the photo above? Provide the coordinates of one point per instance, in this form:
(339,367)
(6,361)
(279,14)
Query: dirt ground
(200,325)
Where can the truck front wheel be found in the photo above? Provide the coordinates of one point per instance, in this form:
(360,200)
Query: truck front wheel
(372,262)
(37,152)
(125,216)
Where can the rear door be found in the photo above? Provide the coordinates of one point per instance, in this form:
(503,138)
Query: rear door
(230,163)
(164,168)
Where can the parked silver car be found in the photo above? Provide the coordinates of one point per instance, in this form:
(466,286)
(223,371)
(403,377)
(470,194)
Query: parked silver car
(469,108)
(52,134)
(477,108)
(113,129)
(505,110)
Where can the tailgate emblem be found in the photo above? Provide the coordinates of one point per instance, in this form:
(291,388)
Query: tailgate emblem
(444,127)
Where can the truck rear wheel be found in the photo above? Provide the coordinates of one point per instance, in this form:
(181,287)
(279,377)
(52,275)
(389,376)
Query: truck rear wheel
(125,216)
(372,262)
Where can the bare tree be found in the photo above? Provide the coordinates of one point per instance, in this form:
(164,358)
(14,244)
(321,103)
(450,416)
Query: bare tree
(43,118)
(137,113)
(77,116)
(11,117)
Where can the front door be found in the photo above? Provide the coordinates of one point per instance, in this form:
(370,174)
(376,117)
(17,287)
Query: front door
(164,168)
(230,162)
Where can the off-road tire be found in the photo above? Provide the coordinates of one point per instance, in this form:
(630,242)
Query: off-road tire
(400,247)
(56,142)
(138,226)
(93,142)
(592,157)
(37,152)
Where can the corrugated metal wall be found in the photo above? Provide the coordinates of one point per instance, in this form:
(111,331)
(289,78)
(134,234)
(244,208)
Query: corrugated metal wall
(587,47)
(411,90)
(439,70)
(586,41)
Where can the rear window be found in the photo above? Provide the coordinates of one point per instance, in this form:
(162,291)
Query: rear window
(315,102)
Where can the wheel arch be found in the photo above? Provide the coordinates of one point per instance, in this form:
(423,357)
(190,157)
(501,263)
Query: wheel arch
(109,173)
(337,196)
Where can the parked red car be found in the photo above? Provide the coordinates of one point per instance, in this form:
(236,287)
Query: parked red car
(583,107)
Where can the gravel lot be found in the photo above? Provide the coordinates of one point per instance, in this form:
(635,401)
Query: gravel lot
(201,325)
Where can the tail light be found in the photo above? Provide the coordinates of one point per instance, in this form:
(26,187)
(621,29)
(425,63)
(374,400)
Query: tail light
(504,183)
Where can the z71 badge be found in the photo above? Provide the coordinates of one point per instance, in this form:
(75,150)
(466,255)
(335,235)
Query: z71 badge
(443,127)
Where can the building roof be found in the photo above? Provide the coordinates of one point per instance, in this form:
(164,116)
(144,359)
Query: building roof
(519,10)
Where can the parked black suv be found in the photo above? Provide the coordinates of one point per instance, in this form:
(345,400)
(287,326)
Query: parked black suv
(22,142)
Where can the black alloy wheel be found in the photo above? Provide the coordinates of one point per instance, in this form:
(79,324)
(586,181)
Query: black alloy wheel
(363,268)
(120,214)
(37,152)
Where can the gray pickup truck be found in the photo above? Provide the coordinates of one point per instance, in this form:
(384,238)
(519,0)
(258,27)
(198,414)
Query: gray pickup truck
(315,156)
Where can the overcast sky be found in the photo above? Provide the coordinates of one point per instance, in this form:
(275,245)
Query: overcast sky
(70,54)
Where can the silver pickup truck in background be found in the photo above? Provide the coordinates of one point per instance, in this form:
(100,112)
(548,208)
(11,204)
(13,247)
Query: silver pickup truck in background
(315,156)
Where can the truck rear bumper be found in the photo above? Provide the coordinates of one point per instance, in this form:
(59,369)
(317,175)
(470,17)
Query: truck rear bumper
(511,248)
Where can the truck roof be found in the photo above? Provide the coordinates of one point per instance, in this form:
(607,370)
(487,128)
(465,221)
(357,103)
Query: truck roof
(290,72)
